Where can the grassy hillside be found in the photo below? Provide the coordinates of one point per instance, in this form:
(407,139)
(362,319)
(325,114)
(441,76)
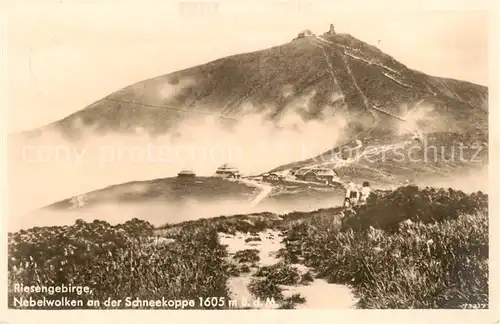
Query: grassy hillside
(340,75)
(408,248)
(389,161)
(167,190)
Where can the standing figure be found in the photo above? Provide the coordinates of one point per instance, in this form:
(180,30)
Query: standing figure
(365,192)
(351,195)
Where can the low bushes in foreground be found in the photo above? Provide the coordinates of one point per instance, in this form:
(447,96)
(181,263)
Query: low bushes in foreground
(117,262)
(280,273)
(385,210)
(409,248)
(247,256)
(268,281)
(266,288)
(441,261)
(292,301)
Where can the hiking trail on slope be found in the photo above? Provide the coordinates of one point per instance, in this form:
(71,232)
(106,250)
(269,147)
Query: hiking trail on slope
(318,294)
(265,190)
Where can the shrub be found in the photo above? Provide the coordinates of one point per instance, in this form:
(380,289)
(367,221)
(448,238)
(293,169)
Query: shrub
(387,210)
(292,301)
(441,261)
(265,288)
(247,256)
(281,273)
(306,278)
(253,239)
(118,262)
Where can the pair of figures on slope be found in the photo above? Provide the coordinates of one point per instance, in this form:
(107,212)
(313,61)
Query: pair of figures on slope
(356,194)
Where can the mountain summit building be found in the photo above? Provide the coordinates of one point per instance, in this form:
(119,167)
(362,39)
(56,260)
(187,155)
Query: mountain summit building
(227,171)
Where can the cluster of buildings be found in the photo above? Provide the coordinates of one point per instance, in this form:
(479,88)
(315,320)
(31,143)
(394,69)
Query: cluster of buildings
(322,175)
(309,174)
(224,171)
(308,33)
(317,174)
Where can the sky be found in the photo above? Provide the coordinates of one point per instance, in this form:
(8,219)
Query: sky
(60,56)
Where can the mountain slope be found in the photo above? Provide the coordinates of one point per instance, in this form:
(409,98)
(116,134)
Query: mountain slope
(168,190)
(160,201)
(338,75)
(323,78)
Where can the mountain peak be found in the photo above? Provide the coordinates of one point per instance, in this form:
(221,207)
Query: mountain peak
(316,77)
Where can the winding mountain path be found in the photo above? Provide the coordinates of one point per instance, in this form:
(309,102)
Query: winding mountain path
(319,294)
(265,190)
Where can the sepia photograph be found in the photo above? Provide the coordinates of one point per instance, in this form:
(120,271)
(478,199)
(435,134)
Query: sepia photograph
(228,155)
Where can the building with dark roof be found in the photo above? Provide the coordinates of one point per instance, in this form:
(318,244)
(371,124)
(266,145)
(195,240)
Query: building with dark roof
(227,171)
(316,174)
(186,174)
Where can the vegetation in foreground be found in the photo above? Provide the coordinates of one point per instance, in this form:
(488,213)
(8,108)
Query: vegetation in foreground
(118,262)
(408,248)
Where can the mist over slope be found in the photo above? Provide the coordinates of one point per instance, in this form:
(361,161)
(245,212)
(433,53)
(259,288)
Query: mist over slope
(257,110)
(336,73)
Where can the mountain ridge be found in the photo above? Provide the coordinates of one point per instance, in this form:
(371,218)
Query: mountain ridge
(336,72)
(319,79)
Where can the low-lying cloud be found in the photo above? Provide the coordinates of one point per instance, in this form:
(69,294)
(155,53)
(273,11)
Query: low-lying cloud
(421,118)
(50,168)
